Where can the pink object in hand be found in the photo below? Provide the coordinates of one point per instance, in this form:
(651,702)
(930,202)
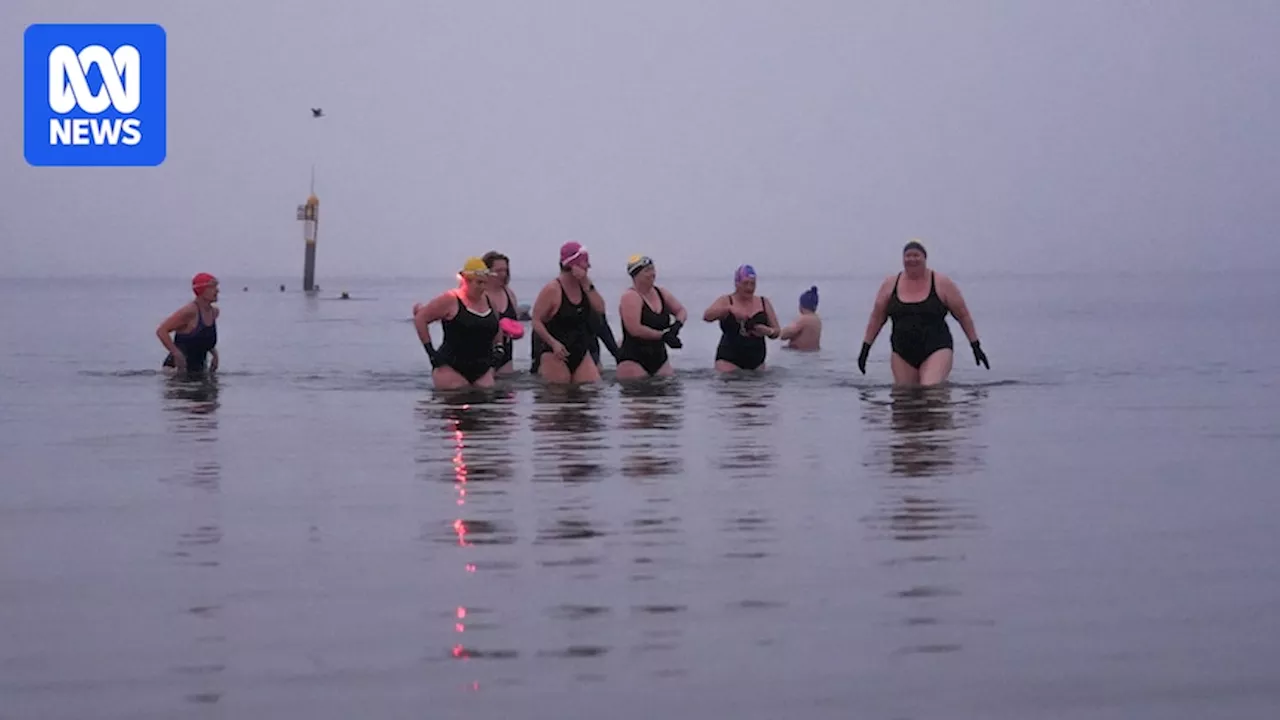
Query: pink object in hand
(512,328)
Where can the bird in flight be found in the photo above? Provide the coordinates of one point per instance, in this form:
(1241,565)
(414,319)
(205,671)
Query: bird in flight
(317,112)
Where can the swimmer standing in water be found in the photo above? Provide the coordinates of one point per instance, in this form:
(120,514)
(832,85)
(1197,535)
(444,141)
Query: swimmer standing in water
(745,321)
(647,330)
(805,332)
(195,329)
(562,319)
(499,293)
(918,300)
(471,331)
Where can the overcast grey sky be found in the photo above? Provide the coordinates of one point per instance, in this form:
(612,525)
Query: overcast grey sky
(807,136)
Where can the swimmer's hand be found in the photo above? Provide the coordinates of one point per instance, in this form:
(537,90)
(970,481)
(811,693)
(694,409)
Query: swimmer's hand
(762,330)
(672,336)
(862,357)
(498,357)
(559,349)
(431,352)
(979,357)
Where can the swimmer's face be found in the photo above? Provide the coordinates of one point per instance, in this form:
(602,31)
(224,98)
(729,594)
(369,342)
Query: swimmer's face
(501,272)
(579,270)
(210,292)
(913,259)
(647,275)
(747,285)
(475,284)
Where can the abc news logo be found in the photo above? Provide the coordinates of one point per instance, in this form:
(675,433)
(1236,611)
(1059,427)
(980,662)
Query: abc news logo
(95,94)
(69,89)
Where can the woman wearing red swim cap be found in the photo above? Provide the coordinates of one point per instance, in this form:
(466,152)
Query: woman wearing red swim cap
(195,329)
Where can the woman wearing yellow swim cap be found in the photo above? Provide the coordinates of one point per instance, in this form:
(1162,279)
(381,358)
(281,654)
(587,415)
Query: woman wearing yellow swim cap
(651,321)
(471,331)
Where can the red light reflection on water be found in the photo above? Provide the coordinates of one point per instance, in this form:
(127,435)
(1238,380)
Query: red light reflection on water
(460,528)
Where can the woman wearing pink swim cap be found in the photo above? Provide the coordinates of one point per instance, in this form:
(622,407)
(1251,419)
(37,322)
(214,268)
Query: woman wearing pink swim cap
(562,320)
(194,329)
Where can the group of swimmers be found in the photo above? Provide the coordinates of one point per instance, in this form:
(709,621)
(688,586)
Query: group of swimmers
(480,323)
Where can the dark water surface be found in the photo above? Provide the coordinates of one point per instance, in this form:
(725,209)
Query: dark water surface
(1087,530)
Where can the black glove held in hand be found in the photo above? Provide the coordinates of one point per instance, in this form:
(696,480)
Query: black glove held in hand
(979,357)
(431,353)
(499,357)
(862,358)
(672,336)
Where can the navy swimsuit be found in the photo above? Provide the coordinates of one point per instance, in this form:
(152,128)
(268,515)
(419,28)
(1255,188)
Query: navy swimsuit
(919,328)
(195,345)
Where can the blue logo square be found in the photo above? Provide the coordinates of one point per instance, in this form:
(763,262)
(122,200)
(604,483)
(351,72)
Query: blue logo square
(94,95)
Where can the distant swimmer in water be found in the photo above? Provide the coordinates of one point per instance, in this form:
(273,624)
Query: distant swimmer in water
(745,321)
(500,296)
(917,300)
(195,329)
(805,332)
(651,322)
(465,356)
(562,318)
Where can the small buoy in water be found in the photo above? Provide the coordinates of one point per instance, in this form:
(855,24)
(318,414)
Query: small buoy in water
(246,288)
(282,287)
(345,296)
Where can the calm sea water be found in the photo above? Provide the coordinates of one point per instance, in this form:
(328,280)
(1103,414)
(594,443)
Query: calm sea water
(1087,530)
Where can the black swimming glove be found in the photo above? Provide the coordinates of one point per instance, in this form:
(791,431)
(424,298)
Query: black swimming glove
(672,336)
(431,352)
(498,356)
(862,357)
(979,357)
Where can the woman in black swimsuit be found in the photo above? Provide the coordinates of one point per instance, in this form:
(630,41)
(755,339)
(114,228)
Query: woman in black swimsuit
(195,330)
(500,296)
(465,356)
(918,300)
(745,321)
(561,317)
(651,321)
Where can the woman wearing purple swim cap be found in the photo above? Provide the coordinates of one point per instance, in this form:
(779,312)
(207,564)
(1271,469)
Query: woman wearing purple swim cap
(918,301)
(745,321)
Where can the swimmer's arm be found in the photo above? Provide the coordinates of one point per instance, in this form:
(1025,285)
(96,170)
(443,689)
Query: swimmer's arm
(544,307)
(434,311)
(953,299)
(178,320)
(774,331)
(605,333)
(629,310)
(793,329)
(594,298)
(676,308)
(879,312)
(718,309)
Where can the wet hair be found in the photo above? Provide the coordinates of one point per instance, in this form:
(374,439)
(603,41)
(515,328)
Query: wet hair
(915,245)
(492,257)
